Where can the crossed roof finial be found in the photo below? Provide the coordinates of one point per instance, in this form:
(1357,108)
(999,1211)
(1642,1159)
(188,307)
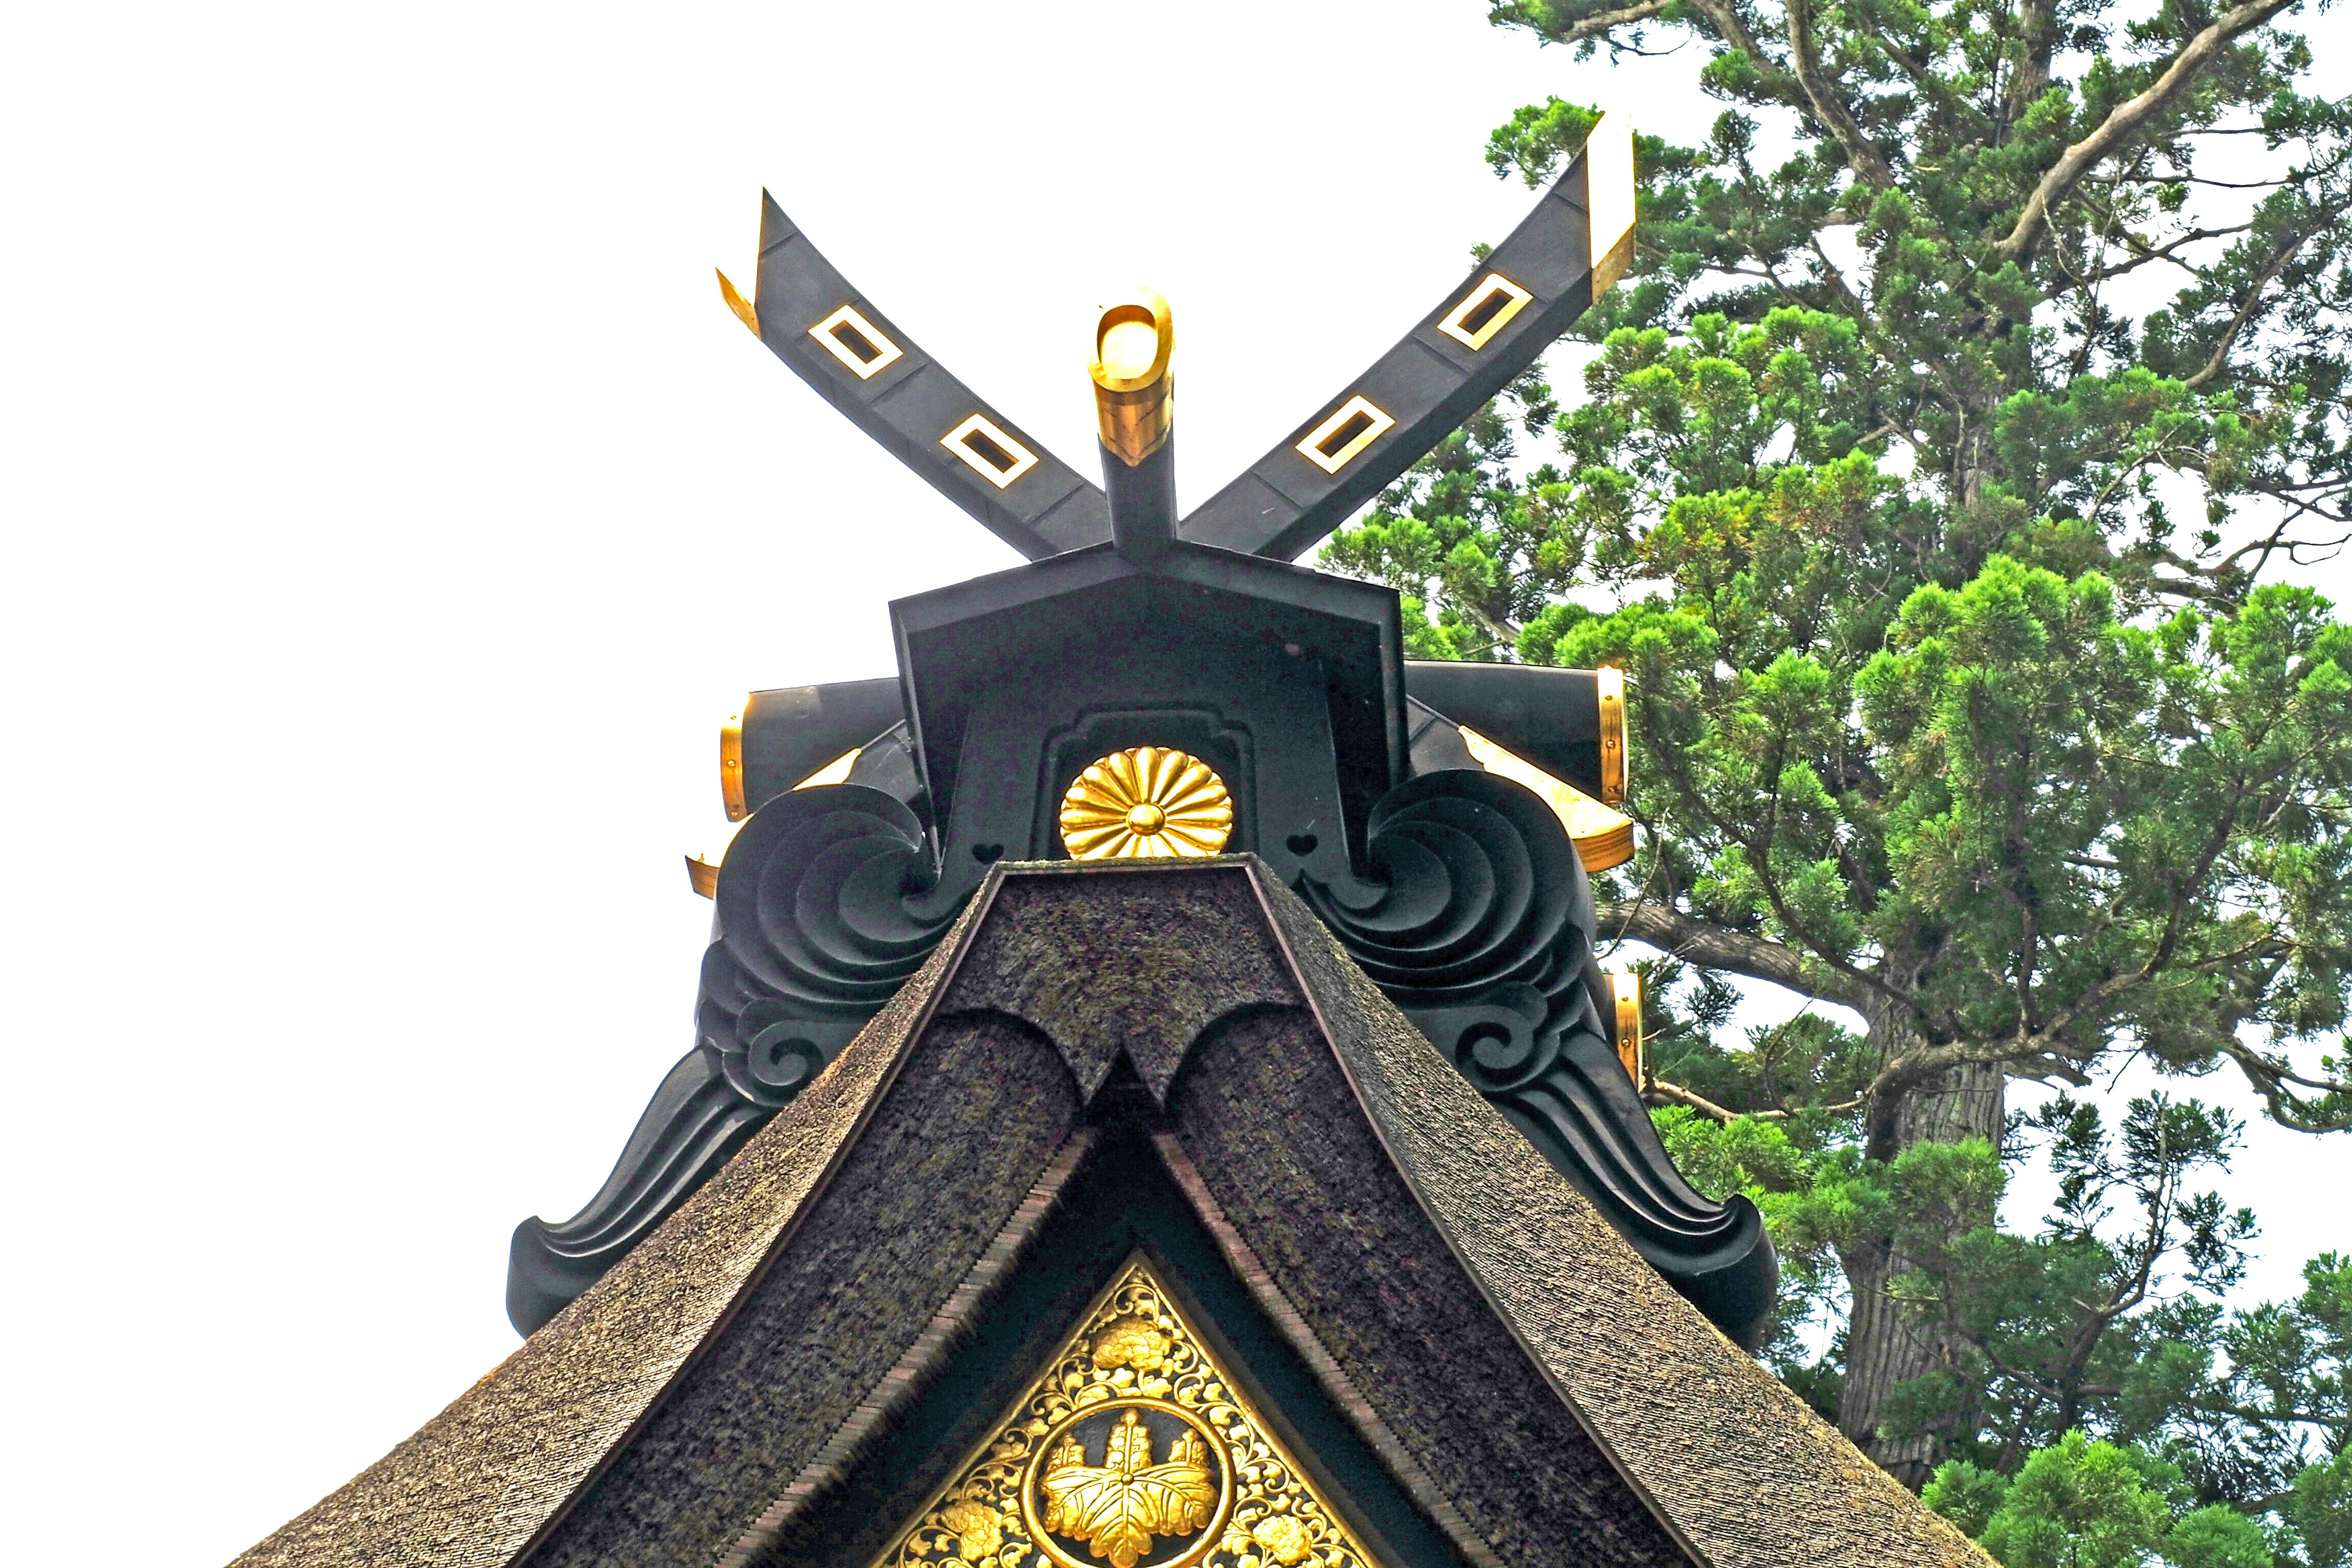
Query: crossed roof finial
(1561,258)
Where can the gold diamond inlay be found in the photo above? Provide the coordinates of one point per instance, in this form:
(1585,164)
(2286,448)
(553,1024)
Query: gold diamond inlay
(1132,1450)
(1148,803)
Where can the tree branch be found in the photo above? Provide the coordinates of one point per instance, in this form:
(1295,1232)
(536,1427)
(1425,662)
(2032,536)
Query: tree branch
(2125,121)
(2096,997)
(1505,634)
(1675,1094)
(1712,947)
(2167,252)
(2174,177)
(1924,79)
(2270,1079)
(1595,25)
(2269,275)
(1724,20)
(1805,58)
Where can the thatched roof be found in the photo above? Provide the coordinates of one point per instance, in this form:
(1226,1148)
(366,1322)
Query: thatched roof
(1174,1055)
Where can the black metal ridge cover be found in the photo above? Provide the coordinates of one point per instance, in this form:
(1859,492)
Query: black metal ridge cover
(1551,716)
(951,638)
(792,731)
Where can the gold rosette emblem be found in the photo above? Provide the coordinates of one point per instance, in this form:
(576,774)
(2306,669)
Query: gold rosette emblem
(1149,803)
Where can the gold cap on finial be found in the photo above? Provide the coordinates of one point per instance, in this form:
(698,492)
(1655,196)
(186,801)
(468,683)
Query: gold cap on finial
(1609,199)
(1134,402)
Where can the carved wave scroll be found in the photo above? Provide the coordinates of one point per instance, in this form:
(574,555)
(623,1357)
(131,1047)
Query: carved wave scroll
(1477,920)
(818,926)
(819,919)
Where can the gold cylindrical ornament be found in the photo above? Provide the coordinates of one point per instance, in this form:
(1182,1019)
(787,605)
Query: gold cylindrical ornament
(1603,838)
(1135,396)
(731,766)
(1626,987)
(1611,688)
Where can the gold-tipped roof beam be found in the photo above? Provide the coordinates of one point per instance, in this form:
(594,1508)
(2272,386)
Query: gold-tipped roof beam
(838,340)
(1561,258)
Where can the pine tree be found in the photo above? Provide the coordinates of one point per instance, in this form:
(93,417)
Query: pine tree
(1940,487)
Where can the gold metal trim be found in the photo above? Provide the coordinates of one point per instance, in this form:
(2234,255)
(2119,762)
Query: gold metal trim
(1377,422)
(834,772)
(1188,1478)
(1609,199)
(1602,837)
(1513,300)
(886,354)
(1149,803)
(957,441)
(1134,413)
(731,766)
(1611,687)
(1625,986)
(702,876)
(736,303)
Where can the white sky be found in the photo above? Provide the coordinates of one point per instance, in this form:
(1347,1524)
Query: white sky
(394,511)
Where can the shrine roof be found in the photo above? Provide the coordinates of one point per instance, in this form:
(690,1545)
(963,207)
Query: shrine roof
(1524,1378)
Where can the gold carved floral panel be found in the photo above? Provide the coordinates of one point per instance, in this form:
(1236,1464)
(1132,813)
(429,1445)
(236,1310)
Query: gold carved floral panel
(1132,1450)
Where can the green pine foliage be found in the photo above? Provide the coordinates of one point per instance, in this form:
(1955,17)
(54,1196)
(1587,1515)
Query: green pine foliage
(1938,476)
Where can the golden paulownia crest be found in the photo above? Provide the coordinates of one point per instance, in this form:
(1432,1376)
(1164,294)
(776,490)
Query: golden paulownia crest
(1118,1506)
(1146,803)
(1130,1450)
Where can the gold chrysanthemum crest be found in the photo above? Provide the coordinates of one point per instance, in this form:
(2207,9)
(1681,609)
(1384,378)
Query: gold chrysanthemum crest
(1146,803)
(1132,1450)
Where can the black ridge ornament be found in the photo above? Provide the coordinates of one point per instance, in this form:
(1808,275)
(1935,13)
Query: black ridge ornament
(1036,710)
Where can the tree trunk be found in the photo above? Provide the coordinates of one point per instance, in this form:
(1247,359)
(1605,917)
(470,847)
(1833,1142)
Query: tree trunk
(2037,48)
(1887,1343)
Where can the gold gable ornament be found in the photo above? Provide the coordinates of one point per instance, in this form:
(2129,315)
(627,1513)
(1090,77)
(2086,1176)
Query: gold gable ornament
(1117,1507)
(1131,1450)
